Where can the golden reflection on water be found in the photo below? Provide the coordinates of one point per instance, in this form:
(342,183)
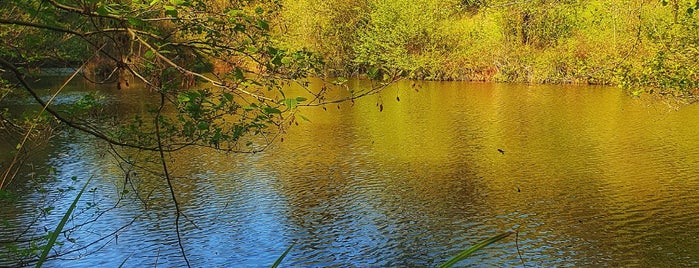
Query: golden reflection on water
(587,165)
(588,175)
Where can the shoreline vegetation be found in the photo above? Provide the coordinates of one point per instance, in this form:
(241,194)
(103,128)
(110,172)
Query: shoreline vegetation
(642,46)
(647,46)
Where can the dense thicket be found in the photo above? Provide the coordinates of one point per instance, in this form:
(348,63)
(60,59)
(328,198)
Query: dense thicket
(626,42)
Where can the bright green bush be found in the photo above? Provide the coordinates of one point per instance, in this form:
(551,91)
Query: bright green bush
(635,44)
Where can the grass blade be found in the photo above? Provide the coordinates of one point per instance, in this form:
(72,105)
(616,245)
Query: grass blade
(53,236)
(464,254)
(124,261)
(276,263)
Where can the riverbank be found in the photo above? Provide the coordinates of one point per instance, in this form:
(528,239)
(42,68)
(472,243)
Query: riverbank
(641,46)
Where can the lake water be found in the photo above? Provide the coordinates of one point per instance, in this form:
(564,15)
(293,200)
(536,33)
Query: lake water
(587,176)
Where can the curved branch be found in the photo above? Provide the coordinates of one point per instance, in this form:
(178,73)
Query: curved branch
(35,96)
(166,173)
(184,70)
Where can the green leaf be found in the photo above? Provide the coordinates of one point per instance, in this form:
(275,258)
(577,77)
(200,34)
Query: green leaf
(304,118)
(279,260)
(228,96)
(49,209)
(135,21)
(154,2)
(149,55)
(203,125)
(170,11)
(183,98)
(464,254)
(238,74)
(290,103)
(300,99)
(286,60)
(373,73)
(259,10)
(102,11)
(271,110)
(263,24)
(54,235)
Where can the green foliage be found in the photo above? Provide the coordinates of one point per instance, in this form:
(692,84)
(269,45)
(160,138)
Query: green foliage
(668,64)
(404,34)
(331,31)
(636,44)
(541,23)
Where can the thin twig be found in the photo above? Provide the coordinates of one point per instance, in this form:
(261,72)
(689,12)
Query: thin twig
(518,251)
(168,179)
(32,126)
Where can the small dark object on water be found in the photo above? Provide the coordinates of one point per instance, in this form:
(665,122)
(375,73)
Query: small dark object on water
(397,98)
(501,151)
(518,190)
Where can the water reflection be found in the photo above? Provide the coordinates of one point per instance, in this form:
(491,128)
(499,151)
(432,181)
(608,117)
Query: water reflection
(589,177)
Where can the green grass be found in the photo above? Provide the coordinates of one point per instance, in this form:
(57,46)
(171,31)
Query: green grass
(467,252)
(54,235)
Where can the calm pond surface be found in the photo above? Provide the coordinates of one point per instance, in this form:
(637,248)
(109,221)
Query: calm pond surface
(590,176)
